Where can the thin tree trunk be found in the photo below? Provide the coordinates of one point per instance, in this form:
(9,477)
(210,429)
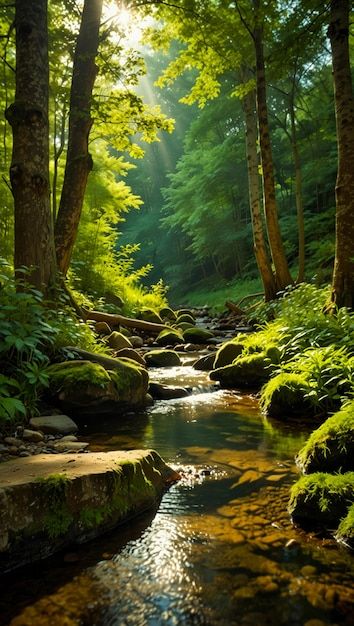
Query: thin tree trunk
(260,249)
(79,161)
(298,194)
(282,274)
(29,170)
(58,151)
(343,276)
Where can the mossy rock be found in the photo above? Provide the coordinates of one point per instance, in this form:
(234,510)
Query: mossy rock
(183,325)
(246,371)
(228,352)
(185,312)
(162,358)
(345,532)
(167,313)
(118,341)
(197,335)
(169,337)
(185,317)
(285,395)
(86,388)
(149,315)
(330,448)
(321,499)
(205,363)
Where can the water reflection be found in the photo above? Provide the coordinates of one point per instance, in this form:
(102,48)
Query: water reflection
(220,550)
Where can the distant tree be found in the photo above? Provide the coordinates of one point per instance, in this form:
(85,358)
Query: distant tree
(343,276)
(29,171)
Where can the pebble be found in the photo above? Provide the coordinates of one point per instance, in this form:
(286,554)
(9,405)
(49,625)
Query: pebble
(308,570)
(24,453)
(32,435)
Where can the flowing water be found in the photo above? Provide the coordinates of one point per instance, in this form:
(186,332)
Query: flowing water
(220,549)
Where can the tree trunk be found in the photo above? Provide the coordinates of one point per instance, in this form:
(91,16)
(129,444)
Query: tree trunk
(282,274)
(260,249)
(78,161)
(343,276)
(29,170)
(117,320)
(298,194)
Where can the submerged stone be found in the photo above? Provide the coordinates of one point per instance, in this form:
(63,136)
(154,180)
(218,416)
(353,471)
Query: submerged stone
(330,448)
(162,358)
(167,392)
(50,501)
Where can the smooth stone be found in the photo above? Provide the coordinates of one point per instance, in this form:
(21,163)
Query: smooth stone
(118,341)
(102,328)
(308,570)
(72,446)
(13,441)
(130,353)
(69,438)
(167,392)
(54,424)
(136,341)
(32,435)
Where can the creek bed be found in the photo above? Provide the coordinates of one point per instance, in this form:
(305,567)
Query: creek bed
(220,549)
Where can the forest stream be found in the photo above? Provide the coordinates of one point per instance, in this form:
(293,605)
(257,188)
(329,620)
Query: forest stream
(220,550)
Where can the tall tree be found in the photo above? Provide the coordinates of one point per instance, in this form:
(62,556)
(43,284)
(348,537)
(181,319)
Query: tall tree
(29,170)
(78,161)
(343,276)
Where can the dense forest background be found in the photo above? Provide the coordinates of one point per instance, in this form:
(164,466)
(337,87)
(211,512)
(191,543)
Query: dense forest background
(168,194)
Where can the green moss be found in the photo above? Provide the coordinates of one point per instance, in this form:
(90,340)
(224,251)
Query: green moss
(162,358)
(197,335)
(185,317)
(245,371)
(57,518)
(321,498)
(286,395)
(330,447)
(64,375)
(345,532)
(167,313)
(227,353)
(169,337)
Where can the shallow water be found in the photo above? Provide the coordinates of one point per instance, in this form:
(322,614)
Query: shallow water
(216,551)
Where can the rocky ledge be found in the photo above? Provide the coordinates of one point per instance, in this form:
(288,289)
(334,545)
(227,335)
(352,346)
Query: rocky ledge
(48,502)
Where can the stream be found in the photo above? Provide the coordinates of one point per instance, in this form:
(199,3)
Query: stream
(220,549)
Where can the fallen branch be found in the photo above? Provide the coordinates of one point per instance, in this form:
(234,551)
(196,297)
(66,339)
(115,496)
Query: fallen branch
(116,320)
(251,295)
(234,308)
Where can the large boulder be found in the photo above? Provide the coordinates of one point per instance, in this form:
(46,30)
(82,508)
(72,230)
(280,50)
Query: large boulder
(227,353)
(118,341)
(84,388)
(149,315)
(197,335)
(321,499)
(169,337)
(330,448)
(249,371)
(167,313)
(162,358)
(287,395)
(52,501)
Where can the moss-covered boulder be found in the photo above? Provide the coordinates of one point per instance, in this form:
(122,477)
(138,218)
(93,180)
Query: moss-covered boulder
(185,317)
(321,499)
(118,341)
(228,352)
(246,371)
(330,448)
(162,358)
(183,326)
(169,337)
(286,395)
(197,335)
(185,312)
(133,355)
(345,531)
(205,363)
(166,313)
(149,315)
(84,388)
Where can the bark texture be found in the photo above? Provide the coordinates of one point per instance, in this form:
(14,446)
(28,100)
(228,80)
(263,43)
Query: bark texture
(79,161)
(260,248)
(298,193)
(343,276)
(282,274)
(29,171)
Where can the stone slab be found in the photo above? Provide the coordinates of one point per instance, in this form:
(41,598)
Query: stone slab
(48,502)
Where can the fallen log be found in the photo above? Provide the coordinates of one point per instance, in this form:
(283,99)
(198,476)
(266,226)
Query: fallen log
(116,320)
